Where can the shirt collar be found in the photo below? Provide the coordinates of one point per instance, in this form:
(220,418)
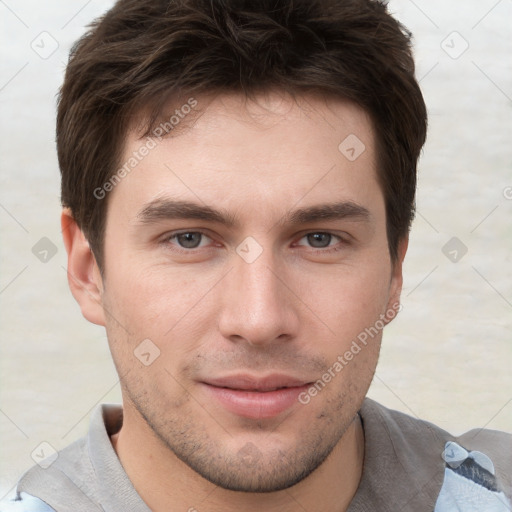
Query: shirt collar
(115,488)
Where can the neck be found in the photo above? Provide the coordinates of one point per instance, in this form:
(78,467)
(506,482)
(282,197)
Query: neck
(165,483)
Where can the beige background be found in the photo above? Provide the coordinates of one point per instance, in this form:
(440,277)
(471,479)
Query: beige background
(446,358)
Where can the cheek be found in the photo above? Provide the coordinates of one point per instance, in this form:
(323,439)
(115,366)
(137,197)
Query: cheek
(154,296)
(167,306)
(347,299)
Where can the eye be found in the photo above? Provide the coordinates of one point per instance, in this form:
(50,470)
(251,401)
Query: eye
(187,239)
(322,240)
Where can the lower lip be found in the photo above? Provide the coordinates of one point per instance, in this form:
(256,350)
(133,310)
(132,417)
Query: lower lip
(254,404)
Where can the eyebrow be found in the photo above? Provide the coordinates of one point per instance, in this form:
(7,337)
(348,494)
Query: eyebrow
(167,209)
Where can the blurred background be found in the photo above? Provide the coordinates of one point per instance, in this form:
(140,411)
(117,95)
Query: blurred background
(446,358)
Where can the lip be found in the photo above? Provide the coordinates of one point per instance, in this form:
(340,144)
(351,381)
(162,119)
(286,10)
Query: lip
(256,397)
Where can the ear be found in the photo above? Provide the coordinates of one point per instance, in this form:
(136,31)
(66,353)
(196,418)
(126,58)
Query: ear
(84,277)
(395,287)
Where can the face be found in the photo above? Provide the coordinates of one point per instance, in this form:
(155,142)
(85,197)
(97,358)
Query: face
(244,258)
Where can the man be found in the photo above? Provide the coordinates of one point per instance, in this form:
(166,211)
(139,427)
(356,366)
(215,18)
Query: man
(238,183)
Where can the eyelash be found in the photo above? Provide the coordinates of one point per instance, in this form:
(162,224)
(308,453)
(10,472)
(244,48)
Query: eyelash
(342,241)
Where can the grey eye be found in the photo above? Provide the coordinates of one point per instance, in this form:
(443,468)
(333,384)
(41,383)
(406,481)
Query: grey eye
(319,240)
(189,240)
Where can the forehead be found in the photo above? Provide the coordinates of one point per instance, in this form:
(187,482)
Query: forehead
(272,152)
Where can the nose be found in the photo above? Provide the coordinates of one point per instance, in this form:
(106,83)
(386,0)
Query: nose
(258,305)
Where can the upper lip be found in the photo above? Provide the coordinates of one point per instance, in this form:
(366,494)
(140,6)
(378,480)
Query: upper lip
(252,383)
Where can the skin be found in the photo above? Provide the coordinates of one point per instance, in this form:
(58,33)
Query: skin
(293,310)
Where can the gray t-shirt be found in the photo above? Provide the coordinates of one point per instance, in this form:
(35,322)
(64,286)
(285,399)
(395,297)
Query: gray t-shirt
(409,465)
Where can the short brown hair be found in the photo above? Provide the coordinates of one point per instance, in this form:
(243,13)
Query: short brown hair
(141,53)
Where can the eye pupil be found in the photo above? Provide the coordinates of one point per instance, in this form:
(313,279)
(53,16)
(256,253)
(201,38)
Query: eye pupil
(187,240)
(313,238)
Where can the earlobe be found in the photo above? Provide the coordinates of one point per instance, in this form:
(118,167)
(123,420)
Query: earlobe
(84,277)
(395,289)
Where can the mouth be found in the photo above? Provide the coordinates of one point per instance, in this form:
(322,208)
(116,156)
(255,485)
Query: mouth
(255,397)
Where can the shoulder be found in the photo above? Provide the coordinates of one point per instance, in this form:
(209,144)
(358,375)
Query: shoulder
(75,477)
(24,503)
(391,419)
(478,461)
(400,432)
(53,483)
(415,430)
